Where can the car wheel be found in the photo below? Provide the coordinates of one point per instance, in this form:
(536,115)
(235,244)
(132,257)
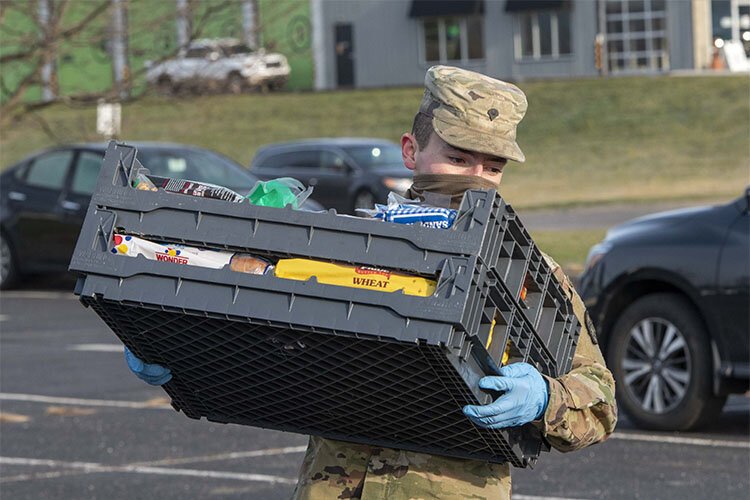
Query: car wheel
(235,83)
(660,356)
(164,86)
(364,199)
(8,271)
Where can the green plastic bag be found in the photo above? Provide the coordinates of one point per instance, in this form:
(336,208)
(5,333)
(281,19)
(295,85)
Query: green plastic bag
(279,193)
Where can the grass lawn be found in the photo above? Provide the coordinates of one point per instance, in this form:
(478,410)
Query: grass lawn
(569,248)
(586,141)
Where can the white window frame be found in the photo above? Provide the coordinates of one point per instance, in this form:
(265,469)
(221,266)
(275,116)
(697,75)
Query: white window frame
(442,49)
(536,38)
(652,56)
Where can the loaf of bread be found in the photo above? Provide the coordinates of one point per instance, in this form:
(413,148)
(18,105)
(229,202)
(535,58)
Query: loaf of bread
(246,263)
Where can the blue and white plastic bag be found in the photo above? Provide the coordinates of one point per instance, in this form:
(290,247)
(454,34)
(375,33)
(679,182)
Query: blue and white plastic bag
(412,212)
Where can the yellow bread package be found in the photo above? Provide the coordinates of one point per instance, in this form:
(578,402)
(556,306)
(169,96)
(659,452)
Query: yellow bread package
(369,278)
(506,352)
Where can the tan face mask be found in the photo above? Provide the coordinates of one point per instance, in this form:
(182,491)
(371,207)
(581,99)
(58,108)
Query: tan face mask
(446,190)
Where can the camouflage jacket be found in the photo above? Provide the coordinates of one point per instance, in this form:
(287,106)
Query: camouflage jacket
(581,412)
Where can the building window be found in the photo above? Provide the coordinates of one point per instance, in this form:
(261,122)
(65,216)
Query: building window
(636,36)
(543,35)
(731,22)
(452,39)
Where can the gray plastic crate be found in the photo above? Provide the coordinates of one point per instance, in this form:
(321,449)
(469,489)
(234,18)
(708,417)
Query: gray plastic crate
(321,359)
(485,226)
(326,236)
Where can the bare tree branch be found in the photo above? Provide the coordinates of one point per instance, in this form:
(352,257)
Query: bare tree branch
(45,126)
(41,43)
(16,95)
(64,35)
(213,9)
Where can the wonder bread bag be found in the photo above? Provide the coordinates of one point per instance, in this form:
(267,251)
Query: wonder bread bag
(133,246)
(369,278)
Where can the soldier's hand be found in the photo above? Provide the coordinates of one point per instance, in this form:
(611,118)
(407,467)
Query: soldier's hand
(152,374)
(524,400)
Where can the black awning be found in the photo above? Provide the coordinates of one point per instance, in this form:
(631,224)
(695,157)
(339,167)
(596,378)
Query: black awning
(442,8)
(524,5)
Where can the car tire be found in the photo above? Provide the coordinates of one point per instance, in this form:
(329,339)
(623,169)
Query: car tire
(363,199)
(235,83)
(660,355)
(164,86)
(8,267)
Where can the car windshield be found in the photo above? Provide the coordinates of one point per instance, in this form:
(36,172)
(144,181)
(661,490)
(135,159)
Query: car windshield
(197,165)
(381,155)
(233,50)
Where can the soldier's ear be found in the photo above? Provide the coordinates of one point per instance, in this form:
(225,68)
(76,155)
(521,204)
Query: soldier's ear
(409,149)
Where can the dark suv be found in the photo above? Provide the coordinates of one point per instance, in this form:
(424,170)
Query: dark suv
(669,294)
(346,173)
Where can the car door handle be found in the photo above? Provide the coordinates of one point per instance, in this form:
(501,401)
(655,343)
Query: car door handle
(16,196)
(71,205)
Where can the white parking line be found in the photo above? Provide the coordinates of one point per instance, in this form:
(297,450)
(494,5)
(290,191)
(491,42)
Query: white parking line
(152,405)
(722,443)
(88,468)
(34,398)
(96,347)
(531,497)
(21,294)
(37,462)
(229,456)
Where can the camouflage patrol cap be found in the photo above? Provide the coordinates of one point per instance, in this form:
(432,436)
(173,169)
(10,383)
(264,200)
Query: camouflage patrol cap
(473,111)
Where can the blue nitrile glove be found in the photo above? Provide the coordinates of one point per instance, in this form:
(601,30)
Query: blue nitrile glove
(151,374)
(525,398)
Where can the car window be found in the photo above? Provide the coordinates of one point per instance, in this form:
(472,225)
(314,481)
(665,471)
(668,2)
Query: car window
(375,156)
(49,170)
(20,172)
(231,50)
(295,159)
(196,165)
(332,161)
(198,52)
(86,172)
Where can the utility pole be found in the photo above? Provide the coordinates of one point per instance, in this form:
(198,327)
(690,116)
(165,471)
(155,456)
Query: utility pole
(183,24)
(318,44)
(250,23)
(49,87)
(119,45)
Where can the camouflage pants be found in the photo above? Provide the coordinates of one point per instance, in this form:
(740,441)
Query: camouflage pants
(337,470)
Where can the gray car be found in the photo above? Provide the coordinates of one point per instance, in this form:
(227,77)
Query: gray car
(346,173)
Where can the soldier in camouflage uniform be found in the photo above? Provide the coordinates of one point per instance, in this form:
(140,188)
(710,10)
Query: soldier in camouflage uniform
(463,135)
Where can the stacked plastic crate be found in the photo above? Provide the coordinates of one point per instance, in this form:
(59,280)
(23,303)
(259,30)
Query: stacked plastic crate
(365,366)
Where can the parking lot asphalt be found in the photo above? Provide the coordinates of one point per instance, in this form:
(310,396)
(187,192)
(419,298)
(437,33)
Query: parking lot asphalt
(75,423)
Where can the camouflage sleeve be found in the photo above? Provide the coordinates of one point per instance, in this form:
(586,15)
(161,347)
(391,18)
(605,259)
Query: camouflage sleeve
(581,409)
